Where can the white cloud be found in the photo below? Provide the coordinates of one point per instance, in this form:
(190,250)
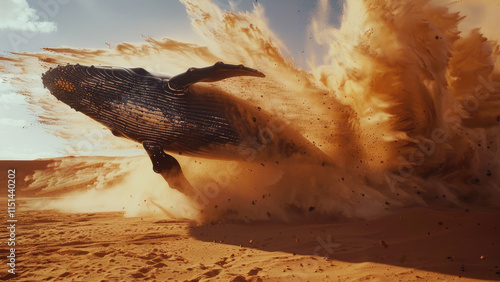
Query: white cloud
(18,15)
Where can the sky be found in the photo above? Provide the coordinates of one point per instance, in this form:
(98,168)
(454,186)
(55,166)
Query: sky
(30,25)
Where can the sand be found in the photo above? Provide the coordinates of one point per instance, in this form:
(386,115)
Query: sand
(413,244)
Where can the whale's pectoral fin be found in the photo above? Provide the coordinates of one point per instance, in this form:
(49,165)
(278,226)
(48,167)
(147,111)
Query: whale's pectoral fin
(168,167)
(216,72)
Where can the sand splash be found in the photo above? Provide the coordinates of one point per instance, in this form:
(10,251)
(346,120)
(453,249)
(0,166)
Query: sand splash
(406,101)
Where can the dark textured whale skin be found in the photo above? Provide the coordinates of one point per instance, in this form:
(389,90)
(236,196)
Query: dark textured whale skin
(144,107)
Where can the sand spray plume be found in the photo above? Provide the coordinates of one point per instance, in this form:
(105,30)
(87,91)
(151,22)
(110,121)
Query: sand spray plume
(377,65)
(391,62)
(405,101)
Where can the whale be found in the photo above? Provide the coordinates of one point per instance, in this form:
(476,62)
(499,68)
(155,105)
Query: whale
(168,115)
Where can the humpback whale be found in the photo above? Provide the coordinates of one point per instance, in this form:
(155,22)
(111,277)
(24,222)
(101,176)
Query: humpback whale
(167,116)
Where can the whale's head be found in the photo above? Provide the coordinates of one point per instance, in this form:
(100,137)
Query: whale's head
(93,90)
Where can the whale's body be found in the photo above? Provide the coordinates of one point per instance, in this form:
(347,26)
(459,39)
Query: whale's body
(165,115)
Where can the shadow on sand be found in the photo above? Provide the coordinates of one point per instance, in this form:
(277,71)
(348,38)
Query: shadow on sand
(453,242)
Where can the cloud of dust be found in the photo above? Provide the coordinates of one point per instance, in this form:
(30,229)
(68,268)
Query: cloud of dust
(107,184)
(425,94)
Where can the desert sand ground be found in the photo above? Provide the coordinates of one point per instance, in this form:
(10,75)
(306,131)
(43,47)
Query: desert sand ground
(415,244)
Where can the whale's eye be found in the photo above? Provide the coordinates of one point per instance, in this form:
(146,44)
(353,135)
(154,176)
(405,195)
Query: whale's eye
(65,85)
